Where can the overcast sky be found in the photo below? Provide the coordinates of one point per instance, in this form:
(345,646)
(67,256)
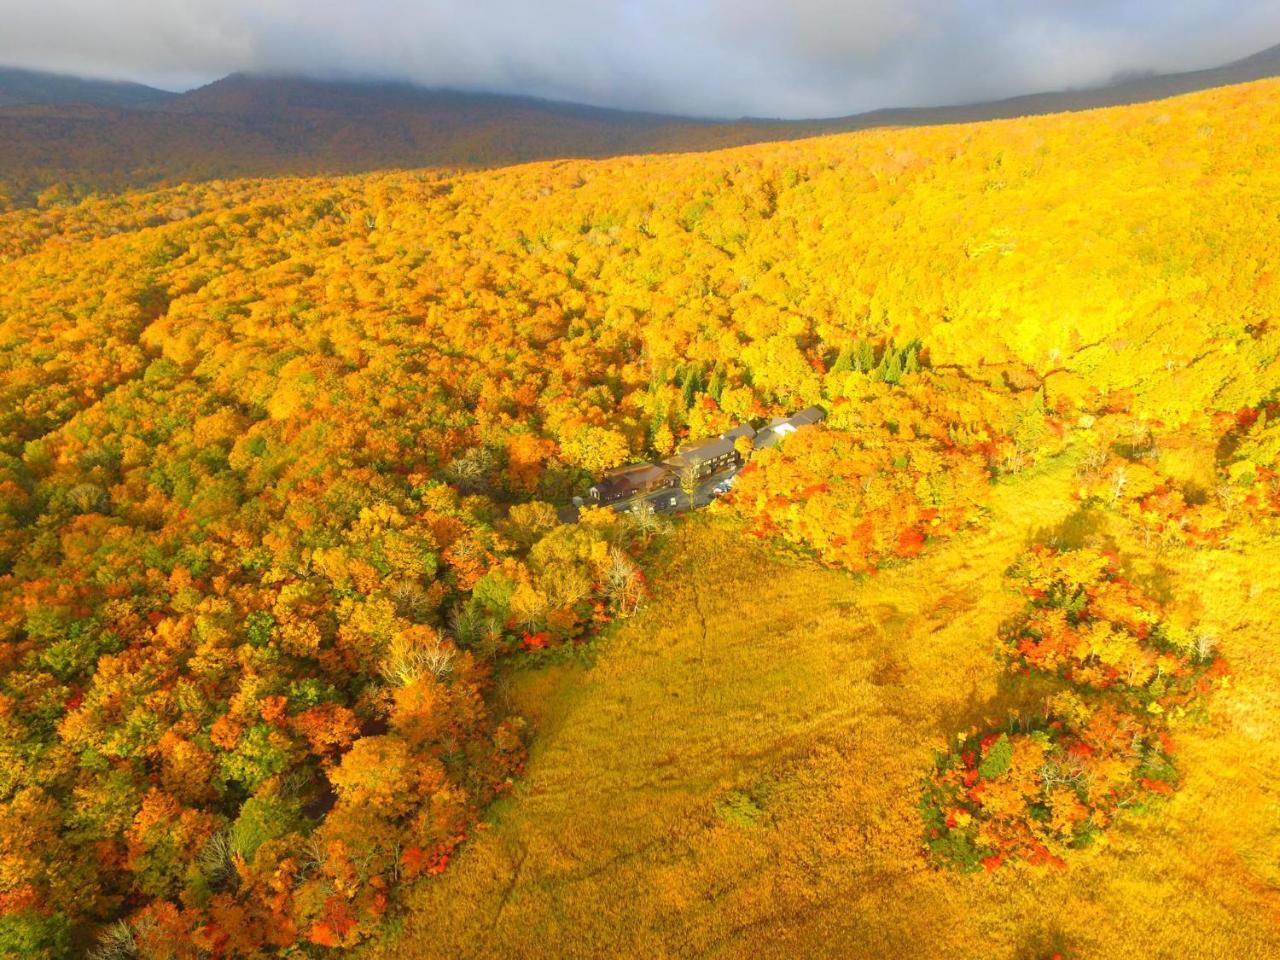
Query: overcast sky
(792,58)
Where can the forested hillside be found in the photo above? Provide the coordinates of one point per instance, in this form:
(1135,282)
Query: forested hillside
(279,463)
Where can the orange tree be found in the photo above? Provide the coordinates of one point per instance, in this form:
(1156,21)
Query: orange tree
(1238,491)
(1033,792)
(1087,624)
(887,474)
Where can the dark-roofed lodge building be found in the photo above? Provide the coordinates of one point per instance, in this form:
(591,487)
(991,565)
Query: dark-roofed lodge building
(630,481)
(704,457)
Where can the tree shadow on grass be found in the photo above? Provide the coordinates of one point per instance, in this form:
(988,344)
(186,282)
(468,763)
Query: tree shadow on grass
(1155,581)
(1086,527)
(1089,527)
(1016,696)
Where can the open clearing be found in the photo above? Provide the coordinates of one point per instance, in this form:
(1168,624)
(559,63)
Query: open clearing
(737,774)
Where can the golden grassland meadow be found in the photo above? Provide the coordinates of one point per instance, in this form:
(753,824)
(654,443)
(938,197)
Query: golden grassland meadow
(736,774)
(298,657)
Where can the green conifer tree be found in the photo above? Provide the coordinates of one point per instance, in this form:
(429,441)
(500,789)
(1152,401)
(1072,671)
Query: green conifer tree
(844,361)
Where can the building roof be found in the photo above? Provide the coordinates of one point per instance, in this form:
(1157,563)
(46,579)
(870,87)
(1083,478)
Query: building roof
(768,437)
(779,427)
(741,430)
(678,462)
(630,477)
(627,469)
(809,415)
(637,471)
(707,449)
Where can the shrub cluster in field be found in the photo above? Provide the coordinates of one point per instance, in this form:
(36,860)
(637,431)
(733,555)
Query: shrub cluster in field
(1134,470)
(1034,790)
(896,466)
(1093,628)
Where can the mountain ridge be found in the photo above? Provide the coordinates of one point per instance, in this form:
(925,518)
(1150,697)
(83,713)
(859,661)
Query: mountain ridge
(68,90)
(19,87)
(249,125)
(1122,91)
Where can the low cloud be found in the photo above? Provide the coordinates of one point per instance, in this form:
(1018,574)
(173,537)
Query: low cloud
(799,58)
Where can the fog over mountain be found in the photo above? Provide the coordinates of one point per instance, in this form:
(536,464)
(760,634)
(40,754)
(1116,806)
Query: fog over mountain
(724,58)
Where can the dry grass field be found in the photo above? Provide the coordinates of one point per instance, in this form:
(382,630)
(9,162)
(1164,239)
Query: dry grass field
(736,774)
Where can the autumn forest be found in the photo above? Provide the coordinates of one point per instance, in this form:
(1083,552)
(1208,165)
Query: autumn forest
(301,647)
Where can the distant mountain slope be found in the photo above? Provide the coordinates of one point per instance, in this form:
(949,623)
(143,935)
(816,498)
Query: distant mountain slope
(265,95)
(86,135)
(1123,91)
(267,126)
(23,87)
